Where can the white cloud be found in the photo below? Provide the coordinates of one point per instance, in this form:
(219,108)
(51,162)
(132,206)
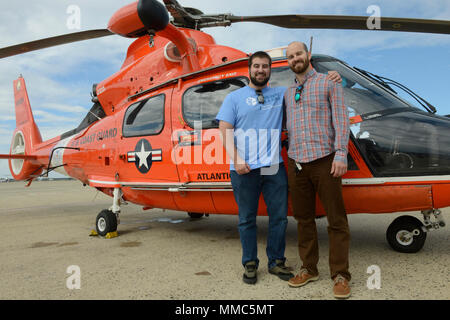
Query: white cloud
(66,108)
(44,116)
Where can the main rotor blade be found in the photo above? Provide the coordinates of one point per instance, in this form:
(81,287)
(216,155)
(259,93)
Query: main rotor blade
(349,22)
(53,41)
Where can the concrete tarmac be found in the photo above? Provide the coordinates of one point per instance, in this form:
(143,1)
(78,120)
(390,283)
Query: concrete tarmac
(45,231)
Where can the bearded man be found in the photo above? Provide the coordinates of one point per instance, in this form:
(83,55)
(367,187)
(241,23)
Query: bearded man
(250,123)
(318,128)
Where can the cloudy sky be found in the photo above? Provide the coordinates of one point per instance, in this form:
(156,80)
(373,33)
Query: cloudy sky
(59,79)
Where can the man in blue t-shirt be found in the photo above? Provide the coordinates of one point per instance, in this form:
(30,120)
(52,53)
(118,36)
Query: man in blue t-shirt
(250,121)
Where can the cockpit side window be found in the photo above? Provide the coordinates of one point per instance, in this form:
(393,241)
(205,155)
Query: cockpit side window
(202,103)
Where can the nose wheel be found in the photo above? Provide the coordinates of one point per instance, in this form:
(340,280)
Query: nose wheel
(406,234)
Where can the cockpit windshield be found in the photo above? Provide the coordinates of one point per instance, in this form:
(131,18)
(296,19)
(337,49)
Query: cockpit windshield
(361,95)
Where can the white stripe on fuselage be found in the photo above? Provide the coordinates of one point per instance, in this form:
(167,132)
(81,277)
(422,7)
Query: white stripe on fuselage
(365,181)
(58,156)
(384,180)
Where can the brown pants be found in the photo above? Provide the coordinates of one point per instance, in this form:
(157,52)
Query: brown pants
(315,178)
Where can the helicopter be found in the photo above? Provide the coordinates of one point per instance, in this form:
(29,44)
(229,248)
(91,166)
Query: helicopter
(151,137)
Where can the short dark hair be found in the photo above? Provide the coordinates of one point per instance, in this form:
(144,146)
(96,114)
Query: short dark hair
(259,54)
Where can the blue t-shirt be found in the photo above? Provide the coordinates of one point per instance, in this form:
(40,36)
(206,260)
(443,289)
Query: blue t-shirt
(257,127)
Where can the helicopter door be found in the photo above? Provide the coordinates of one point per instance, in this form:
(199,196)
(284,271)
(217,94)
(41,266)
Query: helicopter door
(202,162)
(146,143)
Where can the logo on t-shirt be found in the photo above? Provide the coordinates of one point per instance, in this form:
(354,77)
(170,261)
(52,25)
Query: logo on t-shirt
(251,101)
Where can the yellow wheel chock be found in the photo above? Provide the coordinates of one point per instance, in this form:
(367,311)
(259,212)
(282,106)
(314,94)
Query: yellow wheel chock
(109,235)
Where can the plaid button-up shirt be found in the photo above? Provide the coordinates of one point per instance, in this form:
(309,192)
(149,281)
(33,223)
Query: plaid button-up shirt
(318,123)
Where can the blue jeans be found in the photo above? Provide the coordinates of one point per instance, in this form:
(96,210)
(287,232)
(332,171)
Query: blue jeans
(247,190)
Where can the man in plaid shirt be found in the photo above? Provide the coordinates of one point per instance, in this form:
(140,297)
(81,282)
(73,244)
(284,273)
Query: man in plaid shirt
(318,128)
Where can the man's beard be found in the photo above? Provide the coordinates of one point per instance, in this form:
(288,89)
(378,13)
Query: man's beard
(258,83)
(300,69)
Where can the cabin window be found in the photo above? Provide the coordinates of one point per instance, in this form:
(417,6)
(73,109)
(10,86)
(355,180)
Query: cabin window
(202,103)
(145,117)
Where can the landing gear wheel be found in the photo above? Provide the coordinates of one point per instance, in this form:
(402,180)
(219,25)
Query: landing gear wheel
(106,222)
(405,234)
(195,215)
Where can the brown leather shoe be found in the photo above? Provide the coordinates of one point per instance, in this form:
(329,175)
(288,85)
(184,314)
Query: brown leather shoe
(341,288)
(302,278)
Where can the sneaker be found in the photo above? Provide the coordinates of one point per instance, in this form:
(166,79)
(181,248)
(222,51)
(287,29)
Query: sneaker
(281,270)
(341,289)
(302,278)
(249,276)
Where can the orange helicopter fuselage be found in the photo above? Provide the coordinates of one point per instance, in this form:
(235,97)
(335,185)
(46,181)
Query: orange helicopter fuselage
(188,168)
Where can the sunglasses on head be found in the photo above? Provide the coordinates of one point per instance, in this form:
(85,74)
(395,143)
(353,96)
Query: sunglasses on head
(298,93)
(260,96)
